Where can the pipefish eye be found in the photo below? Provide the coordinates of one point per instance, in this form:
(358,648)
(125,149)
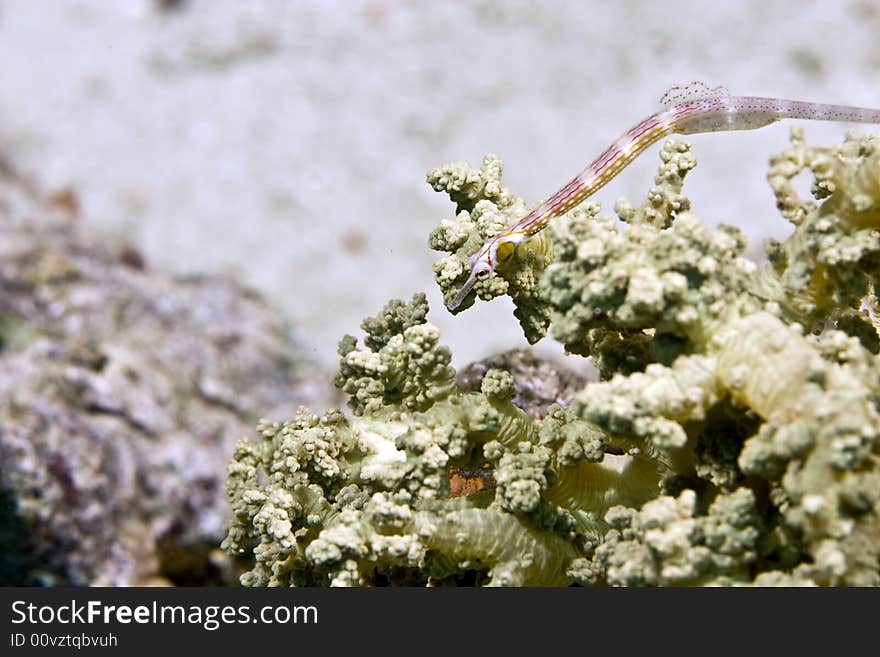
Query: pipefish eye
(482,274)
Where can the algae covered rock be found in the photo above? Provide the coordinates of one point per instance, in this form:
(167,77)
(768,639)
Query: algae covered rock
(122,392)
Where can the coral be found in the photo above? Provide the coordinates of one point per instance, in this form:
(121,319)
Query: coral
(367,499)
(401,364)
(821,274)
(485,209)
(733,436)
(666,543)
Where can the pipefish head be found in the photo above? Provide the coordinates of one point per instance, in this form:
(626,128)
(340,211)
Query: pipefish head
(499,250)
(481,269)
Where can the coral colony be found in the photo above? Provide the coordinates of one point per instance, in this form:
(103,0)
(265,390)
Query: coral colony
(733,437)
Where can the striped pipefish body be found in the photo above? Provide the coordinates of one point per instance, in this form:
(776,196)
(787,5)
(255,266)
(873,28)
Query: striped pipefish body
(689,109)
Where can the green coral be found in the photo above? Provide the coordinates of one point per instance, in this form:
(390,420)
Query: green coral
(821,274)
(401,362)
(485,209)
(366,499)
(667,543)
(466,186)
(733,437)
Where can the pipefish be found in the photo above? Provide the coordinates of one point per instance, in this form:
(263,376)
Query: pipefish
(688,109)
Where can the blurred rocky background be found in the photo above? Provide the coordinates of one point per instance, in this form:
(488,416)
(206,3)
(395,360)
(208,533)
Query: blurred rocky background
(122,393)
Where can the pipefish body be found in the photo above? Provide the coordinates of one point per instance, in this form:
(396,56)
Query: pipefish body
(688,109)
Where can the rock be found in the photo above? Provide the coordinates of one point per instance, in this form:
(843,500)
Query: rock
(122,393)
(539,381)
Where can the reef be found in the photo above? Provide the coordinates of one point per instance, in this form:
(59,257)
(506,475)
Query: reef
(733,436)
